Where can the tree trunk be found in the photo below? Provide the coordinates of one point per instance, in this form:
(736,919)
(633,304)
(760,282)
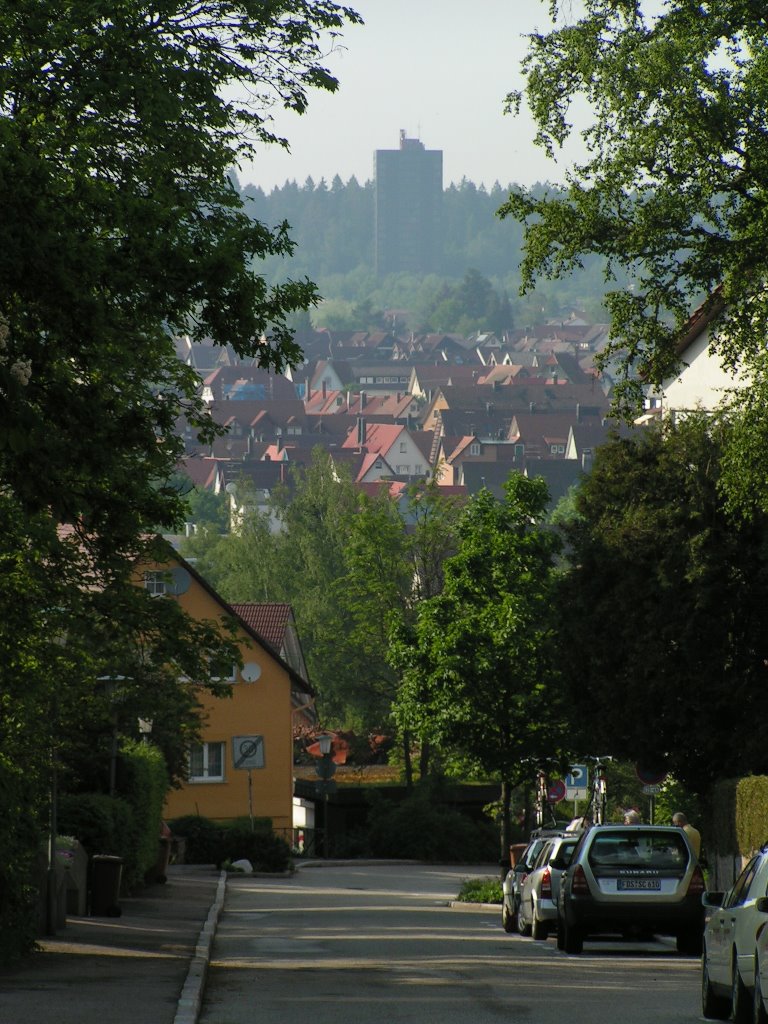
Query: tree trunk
(506,801)
(408,764)
(424,759)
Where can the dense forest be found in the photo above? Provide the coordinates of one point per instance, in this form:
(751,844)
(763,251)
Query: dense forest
(333,228)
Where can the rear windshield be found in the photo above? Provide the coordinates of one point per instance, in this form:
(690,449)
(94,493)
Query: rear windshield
(639,850)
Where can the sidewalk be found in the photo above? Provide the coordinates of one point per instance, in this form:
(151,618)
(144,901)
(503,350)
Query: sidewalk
(145,967)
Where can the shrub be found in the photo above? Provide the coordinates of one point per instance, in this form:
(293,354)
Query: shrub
(103,824)
(144,780)
(480,890)
(203,838)
(421,828)
(19,843)
(265,850)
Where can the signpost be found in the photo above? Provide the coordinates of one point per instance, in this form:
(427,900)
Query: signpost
(248,753)
(577,784)
(652,779)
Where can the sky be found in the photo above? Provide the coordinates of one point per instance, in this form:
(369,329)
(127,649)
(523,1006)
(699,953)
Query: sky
(438,69)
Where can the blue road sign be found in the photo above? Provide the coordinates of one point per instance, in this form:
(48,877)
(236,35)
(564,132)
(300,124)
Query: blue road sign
(578,777)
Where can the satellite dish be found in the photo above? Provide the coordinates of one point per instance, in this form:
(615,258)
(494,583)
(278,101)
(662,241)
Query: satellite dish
(251,671)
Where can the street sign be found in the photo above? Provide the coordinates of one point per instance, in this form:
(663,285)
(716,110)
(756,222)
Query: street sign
(556,792)
(651,790)
(650,776)
(576,782)
(248,751)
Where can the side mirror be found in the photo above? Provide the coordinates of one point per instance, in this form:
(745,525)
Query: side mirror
(762,905)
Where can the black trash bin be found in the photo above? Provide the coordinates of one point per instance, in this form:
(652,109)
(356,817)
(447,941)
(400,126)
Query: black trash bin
(106,874)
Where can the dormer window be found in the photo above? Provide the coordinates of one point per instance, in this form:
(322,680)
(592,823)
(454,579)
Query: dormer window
(475,449)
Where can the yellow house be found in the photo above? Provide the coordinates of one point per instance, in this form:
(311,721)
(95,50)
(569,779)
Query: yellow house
(244,764)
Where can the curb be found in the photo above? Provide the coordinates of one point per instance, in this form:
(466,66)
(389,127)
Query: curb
(191,998)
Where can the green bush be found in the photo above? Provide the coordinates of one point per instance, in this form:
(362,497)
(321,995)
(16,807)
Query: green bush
(480,890)
(19,845)
(144,781)
(209,843)
(103,824)
(422,828)
(203,838)
(752,813)
(265,850)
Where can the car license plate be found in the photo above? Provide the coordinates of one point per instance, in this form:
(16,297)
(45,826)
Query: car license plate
(624,884)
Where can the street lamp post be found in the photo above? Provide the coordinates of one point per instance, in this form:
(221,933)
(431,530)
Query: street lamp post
(325,770)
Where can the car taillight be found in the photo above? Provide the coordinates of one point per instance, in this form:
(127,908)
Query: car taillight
(546,884)
(579,884)
(696,885)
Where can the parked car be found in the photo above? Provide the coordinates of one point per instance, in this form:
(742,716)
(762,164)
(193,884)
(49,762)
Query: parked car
(537,912)
(760,1001)
(515,877)
(730,965)
(632,880)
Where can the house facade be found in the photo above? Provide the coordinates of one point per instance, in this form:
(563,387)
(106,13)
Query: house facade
(244,762)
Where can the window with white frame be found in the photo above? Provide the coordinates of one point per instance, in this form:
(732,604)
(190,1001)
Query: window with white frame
(156,583)
(403,446)
(206,762)
(474,449)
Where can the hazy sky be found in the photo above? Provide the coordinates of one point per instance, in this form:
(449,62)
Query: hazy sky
(440,69)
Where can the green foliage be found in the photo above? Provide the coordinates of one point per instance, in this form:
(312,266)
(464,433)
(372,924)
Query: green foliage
(663,609)
(102,824)
(480,890)
(721,825)
(202,838)
(144,784)
(210,843)
(752,813)
(673,191)
(478,668)
(422,828)
(265,850)
(20,843)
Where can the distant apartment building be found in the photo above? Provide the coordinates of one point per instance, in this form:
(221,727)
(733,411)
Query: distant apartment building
(409,193)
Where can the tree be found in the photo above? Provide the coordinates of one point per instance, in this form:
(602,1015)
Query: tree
(663,609)
(393,554)
(479,672)
(673,190)
(121,226)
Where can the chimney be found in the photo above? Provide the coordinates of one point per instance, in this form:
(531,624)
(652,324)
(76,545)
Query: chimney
(325,389)
(307,391)
(362,400)
(578,412)
(361,430)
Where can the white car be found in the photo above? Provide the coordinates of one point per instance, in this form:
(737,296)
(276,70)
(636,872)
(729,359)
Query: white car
(735,922)
(537,912)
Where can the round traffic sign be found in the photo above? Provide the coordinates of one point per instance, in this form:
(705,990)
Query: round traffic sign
(556,791)
(650,776)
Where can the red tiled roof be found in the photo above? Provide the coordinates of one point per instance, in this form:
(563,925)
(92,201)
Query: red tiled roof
(268,620)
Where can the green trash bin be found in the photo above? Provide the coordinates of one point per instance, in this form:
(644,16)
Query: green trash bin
(106,875)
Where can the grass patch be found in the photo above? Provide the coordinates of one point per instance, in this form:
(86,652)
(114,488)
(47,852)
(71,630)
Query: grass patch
(480,890)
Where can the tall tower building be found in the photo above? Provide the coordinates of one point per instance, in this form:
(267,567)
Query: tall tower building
(409,193)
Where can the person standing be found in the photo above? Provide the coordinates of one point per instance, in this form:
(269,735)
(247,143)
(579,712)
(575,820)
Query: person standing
(694,836)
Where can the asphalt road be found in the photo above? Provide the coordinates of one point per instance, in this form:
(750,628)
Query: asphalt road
(357,944)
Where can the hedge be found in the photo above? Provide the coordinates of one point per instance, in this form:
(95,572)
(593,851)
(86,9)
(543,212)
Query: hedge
(739,819)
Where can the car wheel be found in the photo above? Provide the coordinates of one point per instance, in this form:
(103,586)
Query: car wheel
(712,1005)
(690,943)
(508,919)
(573,939)
(741,1010)
(759,1015)
(539,930)
(560,934)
